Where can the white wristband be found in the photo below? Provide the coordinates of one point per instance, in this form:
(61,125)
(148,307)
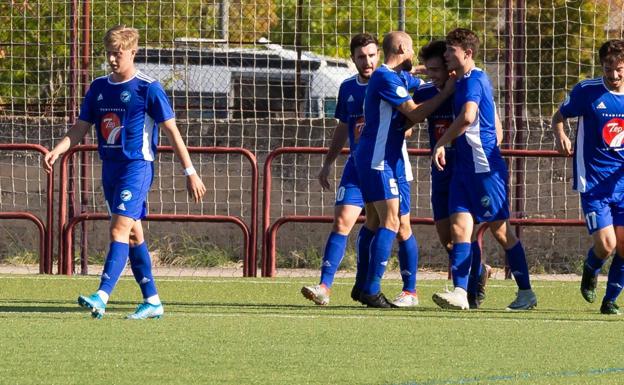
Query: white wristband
(190,171)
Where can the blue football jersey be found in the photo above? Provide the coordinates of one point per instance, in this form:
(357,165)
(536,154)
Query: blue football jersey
(350,108)
(476,150)
(382,142)
(437,124)
(598,152)
(126,116)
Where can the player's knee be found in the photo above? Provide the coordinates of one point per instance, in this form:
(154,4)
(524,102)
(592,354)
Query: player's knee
(607,244)
(341,227)
(392,222)
(405,232)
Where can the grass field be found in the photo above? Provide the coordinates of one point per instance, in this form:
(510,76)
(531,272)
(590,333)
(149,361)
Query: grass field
(262,331)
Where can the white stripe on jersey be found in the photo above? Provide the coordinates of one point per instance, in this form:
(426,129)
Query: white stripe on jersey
(148,129)
(379,153)
(473,137)
(409,176)
(144,77)
(591,82)
(581,179)
(424,85)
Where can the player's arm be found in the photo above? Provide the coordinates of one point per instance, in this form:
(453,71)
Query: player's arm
(194,184)
(417,113)
(341,134)
(466,117)
(71,138)
(499,129)
(562,142)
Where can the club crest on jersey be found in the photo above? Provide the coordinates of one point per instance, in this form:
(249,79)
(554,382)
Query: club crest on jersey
(485,201)
(125,195)
(125,96)
(439,128)
(401,92)
(613,132)
(110,127)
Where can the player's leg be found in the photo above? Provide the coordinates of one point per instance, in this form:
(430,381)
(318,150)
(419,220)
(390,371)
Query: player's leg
(345,217)
(114,265)
(599,222)
(408,251)
(363,243)
(141,265)
(615,280)
(516,258)
(380,250)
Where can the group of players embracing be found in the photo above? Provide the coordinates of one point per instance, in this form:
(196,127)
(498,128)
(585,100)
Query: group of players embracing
(376,111)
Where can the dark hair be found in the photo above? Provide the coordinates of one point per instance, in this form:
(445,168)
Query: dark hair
(612,52)
(435,48)
(362,40)
(464,38)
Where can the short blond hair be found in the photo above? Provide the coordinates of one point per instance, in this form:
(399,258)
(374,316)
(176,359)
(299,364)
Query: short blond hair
(122,37)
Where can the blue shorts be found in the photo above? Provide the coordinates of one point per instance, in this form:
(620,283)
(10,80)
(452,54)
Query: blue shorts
(440,200)
(483,195)
(349,190)
(126,185)
(377,185)
(405,197)
(603,209)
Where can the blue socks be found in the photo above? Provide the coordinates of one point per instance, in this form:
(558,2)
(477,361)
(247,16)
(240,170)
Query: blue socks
(364,240)
(141,265)
(616,279)
(334,251)
(114,266)
(460,259)
(518,264)
(380,251)
(594,262)
(408,262)
(475,268)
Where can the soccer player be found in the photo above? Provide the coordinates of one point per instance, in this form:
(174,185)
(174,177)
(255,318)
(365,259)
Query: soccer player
(432,56)
(127,108)
(349,202)
(599,168)
(379,156)
(478,187)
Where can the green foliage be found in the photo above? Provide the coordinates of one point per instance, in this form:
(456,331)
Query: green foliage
(185,250)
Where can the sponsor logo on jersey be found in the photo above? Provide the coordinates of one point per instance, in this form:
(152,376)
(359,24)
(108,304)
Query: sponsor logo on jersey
(351,99)
(125,195)
(121,207)
(125,96)
(357,128)
(439,127)
(485,201)
(601,106)
(110,127)
(100,97)
(613,132)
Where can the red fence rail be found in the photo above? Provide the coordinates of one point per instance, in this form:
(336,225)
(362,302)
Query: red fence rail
(269,230)
(66,225)
(45,229)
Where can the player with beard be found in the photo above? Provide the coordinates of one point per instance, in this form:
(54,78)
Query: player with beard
(127,108)
(349,202)
(599,168)
(478,187)
(380,156)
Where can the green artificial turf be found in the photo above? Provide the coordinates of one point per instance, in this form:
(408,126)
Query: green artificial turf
(262,331)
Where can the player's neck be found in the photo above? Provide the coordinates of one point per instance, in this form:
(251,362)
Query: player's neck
(119,77)
(617,90)
(466,68)
(362,80)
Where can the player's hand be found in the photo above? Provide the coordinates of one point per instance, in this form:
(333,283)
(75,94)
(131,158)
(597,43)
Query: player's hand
(563,144)
(409,132)
(418,69)
(323,178)
(195,187)
(48,160)
(449,85)
(438,157)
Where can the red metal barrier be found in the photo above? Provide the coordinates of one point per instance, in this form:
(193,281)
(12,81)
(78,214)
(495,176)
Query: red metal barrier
(269,230)
(45,230)
(250,231)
